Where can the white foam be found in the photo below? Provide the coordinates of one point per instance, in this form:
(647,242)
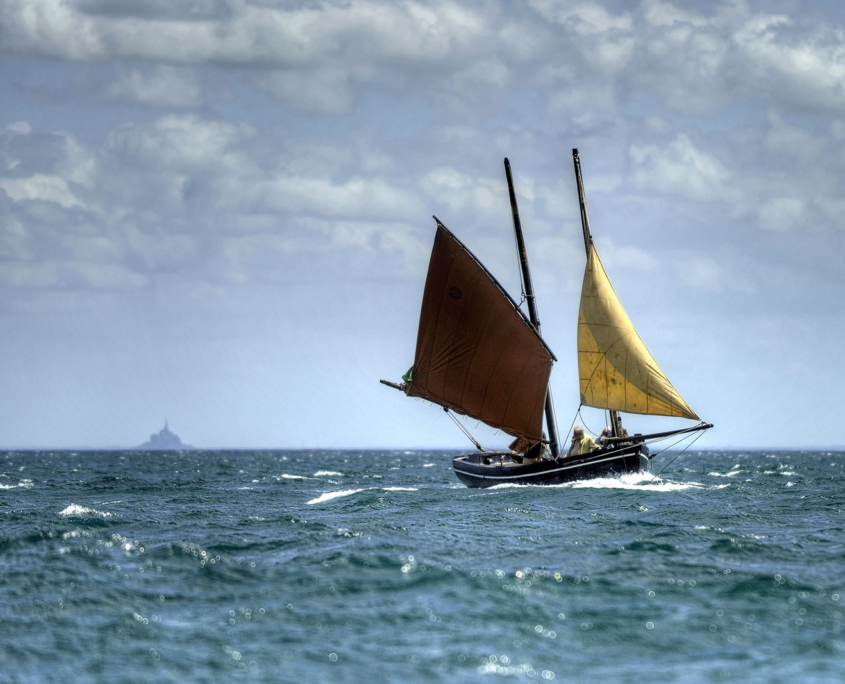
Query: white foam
(285,476)
(23,484)
(428,465)
(78,511)
(638,482)
(634,481)
(320,473)
(328,496)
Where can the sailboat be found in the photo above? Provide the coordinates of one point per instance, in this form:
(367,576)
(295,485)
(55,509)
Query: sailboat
(479,354)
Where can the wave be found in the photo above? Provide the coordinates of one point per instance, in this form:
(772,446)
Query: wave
(634,481)
(328,496)
(23,484)
(77,511)
(638,482)
(329,473)
(730,474)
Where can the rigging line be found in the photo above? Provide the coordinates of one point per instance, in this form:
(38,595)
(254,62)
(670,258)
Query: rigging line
(582,420)
(670,436)
(681,452)
(574,418)
(662,439)
(577,413)
(463,429)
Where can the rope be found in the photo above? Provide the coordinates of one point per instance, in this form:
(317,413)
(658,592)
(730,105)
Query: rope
(679,453)
(463,429)
(582,420)
(575,417)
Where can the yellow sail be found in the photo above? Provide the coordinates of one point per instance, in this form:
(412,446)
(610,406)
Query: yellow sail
(616,370)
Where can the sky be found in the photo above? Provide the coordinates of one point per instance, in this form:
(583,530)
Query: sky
(218,212)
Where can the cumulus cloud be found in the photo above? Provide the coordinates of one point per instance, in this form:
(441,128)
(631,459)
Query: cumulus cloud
(71,275)
(41,187)
(20,127)
(183,142)
(327,90)
(150,187)
(179,193)
(586,18)
(463,193)
(804,70)
(164,87)
(680,168)
(318,57)
(355,197)
(783,213)
(312,53)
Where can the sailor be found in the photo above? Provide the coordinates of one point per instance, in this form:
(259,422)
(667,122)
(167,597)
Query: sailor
(581,443)
(607,432)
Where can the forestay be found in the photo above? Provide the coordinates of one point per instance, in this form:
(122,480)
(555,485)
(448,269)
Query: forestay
(616,370)
(476,352)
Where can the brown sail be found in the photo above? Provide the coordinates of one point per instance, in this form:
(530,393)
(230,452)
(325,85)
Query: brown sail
(476,353)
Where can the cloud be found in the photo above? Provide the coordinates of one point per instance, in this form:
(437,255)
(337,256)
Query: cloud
(783,213)
(703,273)
(327,90)
(314,196)
(319,57)
(70,275)
(180,141)
(586,18)
(461,192)
(312,53)
(40,187)
(20,127)
(806,71)
(77,164)
(680,168)
(196,10)
(603,39)
(793,141)
(163,87)
(197,197)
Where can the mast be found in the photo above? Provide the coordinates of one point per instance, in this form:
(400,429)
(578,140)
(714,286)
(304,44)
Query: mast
(551,421)
(615,421)
(585,220)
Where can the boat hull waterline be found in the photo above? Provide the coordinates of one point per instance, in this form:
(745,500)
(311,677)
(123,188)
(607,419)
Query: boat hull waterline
(488,469)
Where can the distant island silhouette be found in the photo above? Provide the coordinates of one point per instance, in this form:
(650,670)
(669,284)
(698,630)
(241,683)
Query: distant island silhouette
(164,439)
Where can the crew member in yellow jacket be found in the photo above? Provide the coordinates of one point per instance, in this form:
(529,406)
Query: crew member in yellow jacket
(581,443)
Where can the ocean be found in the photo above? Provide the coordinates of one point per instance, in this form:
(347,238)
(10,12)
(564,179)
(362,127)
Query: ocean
(379,566)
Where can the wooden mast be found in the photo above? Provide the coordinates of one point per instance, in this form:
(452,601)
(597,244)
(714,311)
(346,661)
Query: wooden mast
(615,422)
(551,421)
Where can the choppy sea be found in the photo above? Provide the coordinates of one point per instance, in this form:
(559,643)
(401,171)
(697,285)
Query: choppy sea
(379,566)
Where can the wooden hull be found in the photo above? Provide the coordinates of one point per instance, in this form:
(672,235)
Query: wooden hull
(488,469)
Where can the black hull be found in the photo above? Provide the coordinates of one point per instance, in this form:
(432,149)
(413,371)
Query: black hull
(488,469)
